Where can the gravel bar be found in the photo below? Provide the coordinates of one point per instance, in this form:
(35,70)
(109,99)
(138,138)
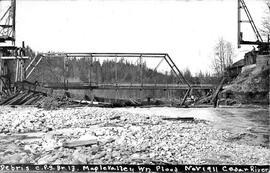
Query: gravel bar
(89,135)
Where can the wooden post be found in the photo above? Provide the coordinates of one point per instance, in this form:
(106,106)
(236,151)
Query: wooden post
(17,70)
(97,76)
(215,95)
(22,70)
(90,77)
(92,96)
(64,73)
(90,69)
(116,79)
(141,75)
(185,97)
(1,83)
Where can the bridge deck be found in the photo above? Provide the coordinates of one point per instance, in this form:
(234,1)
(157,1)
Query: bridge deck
(126,86)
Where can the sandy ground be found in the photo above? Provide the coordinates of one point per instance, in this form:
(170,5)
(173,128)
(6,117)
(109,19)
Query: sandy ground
(122,135)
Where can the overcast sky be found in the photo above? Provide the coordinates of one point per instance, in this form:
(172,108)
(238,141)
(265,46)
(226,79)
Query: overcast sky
(186,30)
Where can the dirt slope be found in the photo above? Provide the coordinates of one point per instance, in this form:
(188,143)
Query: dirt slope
(250,86)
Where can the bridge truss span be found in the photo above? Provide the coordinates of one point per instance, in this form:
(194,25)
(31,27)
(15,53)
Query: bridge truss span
(145,76)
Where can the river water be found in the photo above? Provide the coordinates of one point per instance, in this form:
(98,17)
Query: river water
(247,125)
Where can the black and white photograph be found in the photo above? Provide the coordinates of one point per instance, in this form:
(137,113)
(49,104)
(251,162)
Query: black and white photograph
(134,82)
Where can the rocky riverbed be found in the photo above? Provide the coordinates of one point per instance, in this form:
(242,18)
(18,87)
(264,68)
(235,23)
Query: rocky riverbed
(89,135)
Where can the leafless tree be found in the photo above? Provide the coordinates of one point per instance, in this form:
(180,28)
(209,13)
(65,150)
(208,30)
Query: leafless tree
(224,53)
(266,21)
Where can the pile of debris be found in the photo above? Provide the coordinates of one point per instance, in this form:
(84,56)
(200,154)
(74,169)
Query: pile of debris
(23,98)
(33,94)
(43,100)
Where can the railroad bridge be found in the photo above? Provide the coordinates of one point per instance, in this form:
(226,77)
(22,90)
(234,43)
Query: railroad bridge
(25,67)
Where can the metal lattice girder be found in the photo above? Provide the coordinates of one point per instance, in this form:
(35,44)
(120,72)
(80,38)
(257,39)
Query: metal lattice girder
(181,84)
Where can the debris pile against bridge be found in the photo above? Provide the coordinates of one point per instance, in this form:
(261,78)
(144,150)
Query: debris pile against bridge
(24,90)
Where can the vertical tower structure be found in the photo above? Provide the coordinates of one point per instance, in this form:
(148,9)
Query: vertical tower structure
(8,24)
(11,57)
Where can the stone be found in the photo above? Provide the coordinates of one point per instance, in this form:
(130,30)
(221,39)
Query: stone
(88,137)
(5,130)
(115,118)
(116,154)
(47,159)
(12,159)
(82,158)
(107,140)
(28,148)
(135,156)
(99,132)
(49,144)
(94,149)
(99,155)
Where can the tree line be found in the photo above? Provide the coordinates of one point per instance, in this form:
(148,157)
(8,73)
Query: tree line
(110,71)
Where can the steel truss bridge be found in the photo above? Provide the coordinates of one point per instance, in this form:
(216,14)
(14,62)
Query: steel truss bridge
(181,83)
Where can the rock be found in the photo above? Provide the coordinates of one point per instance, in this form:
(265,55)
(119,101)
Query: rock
(116,154)
(49,143)
(5,130)
(24,160)
(28,148)
(44,160)
(48,129)
(99,155)
(48,159)
(115,118)
(88,137)
(12,159)
(107,140)
(191,142)
(94,149)
(152,155)
(135,156)
(213,142)
(135,128)
(108,156)
(58,162)
(100,132)
(82,158)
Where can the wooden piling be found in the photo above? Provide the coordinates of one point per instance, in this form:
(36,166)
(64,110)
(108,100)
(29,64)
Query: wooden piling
(1,82)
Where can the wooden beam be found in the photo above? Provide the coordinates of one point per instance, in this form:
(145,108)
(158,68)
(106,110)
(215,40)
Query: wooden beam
(33,67)
(215,95)
(14,57)
(185,97)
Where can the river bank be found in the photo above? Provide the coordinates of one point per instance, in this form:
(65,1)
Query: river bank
(89,135)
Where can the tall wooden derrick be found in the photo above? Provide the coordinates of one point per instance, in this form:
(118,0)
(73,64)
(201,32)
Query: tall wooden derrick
(11,57)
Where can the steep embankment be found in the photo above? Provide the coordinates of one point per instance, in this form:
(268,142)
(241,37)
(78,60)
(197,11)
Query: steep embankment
(251,85)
